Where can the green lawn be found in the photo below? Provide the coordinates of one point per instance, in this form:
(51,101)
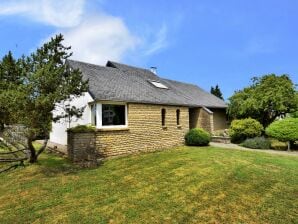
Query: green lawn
(183,185)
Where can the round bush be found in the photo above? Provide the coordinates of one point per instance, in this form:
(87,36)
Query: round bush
(197,137)
(256,143)
(245,128)
(284,130)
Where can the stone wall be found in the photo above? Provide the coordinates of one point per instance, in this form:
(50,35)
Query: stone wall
(144,133)
(81,148)
(201,118)
(219,119)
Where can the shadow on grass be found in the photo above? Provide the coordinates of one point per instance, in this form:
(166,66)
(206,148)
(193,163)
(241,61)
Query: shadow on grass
(52,165)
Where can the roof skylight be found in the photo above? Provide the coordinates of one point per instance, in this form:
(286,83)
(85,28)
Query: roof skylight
(158,84)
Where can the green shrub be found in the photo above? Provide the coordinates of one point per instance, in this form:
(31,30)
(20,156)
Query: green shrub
(278,145)
(256,143)
(284,130)
(197,137)
(82,128)
(245,128)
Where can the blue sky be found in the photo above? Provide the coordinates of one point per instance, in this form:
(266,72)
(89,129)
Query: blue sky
(202,42)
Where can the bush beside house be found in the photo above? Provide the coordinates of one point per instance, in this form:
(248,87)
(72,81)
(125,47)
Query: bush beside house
(245,128)
(197,137)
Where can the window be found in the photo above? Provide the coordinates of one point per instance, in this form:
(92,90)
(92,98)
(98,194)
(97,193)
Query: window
(93,114)
(163,117)
(178,116)
(113,114)
(158,84)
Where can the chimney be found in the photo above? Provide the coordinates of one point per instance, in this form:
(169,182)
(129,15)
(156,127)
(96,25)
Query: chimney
(153,70)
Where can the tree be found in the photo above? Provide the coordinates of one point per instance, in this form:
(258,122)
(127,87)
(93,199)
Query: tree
(285,130)
(216,91)
(267,98)
(47,81)
(10,77)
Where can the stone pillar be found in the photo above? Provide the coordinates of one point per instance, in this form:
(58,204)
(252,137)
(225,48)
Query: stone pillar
(81,148)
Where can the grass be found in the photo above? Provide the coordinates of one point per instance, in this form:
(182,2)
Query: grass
(183,185)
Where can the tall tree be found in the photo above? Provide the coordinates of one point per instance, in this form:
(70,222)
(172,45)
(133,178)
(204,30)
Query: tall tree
(216,91)
(47,81)
(268,97)
(10,78)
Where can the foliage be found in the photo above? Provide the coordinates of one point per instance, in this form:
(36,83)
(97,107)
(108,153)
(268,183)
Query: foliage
(10,78)
(197,137)
(216,91)
(256,143)
(278,145)
(284,130)
(82,128)
(245,128)
(135,189)
(267,98)
(47,80)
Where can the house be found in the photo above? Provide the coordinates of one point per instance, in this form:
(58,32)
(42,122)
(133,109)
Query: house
(134,109)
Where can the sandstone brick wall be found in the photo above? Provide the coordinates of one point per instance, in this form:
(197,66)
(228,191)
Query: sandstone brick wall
(201,118)
(81,147)
(219,119)
(145,131)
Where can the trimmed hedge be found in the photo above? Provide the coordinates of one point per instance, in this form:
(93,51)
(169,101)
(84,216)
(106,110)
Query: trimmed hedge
(284,130)
(82,128)
(245,128)
(256,143)
(197,137)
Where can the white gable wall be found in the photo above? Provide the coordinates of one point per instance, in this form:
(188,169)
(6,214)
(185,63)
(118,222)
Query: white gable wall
(58,133)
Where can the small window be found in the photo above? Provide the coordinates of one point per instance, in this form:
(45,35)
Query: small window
(178,116)
(113,114)
(158,85)
(163,117)
(93,114)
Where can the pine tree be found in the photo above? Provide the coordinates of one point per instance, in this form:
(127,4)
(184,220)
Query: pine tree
(216,91)
(47,80)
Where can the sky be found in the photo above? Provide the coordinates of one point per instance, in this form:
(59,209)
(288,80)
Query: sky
(204,42)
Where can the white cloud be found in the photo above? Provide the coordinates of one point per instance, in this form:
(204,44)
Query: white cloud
(159,41)
(93,38)
(61,13)
(100,38)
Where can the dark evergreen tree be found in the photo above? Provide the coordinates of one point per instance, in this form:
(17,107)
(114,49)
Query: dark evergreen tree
(216,91)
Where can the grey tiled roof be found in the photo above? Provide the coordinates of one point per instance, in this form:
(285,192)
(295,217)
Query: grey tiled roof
(119,82)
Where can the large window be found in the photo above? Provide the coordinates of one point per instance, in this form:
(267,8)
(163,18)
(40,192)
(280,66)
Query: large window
(113,114)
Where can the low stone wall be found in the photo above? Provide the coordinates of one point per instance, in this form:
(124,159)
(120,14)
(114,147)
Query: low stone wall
(81,148)
(221,139)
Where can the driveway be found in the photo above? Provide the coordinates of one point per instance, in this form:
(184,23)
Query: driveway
(234,146)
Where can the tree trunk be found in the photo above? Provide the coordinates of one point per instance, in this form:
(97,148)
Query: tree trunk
(289,146)
(33,153)
(33,156)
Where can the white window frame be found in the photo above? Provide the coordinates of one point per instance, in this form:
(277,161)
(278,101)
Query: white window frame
(158,84)
(99,116)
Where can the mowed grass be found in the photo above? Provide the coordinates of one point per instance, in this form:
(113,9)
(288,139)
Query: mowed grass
(182,185)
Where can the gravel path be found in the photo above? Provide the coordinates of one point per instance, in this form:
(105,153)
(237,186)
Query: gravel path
(234,146)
